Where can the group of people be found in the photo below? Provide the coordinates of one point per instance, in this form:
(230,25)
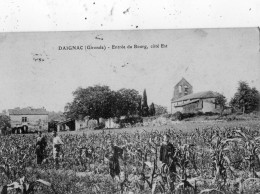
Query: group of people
(41,144)
(167,154)
(167,157)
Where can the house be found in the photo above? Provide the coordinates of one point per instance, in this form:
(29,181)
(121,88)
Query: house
(111,123)
(185,101)
(76,124)
(28,119)
(122,121)
(67,125)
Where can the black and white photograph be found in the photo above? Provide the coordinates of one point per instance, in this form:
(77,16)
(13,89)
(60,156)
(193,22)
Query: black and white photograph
(129,111)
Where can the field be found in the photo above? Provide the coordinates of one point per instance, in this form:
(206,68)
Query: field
(211,157)
(183,126)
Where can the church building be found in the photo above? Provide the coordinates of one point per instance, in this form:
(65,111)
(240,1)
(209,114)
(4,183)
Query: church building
(185,101)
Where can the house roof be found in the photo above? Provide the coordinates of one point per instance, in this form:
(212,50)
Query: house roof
(66,121)
(199,95)
(190,102)
(28,111)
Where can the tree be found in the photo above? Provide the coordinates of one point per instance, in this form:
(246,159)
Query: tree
(127,102)
(95,102)
(246,98)
(254,100)
(101,102)
(145,108)
(55,116)
(5,123)
(221,101)
(152,110)
(139,108)
(159,110)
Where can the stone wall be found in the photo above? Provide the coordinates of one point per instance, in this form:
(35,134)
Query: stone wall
(191,108)
(209,106)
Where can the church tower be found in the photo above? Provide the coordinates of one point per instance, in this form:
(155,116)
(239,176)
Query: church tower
(182,88)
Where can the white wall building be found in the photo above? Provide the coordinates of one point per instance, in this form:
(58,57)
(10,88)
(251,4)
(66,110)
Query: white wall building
(28,119)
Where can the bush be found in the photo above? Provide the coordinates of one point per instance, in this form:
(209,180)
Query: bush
(100,126)
(180,116)
(132,120)
(177,116)
(210,113)
(224,114)
(188,115)
(255,113)
(167,116)
(199,113)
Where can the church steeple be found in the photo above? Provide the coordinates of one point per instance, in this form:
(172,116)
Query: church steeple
(182,88)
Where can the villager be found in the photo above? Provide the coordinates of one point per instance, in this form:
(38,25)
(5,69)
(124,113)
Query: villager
(167,157)
(115,153)
(41,145)
(57,149)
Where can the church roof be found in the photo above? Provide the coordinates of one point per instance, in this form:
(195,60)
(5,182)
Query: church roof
(199,95)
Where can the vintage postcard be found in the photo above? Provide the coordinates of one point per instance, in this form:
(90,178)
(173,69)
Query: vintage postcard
(130,111)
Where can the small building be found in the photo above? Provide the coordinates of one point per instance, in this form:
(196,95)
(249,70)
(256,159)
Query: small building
(28,119)
(67,125)
(201,101)
(185,101)
(111,123)
(76,124)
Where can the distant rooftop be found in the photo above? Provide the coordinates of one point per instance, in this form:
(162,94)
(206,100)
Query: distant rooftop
(28,111)
(199,95)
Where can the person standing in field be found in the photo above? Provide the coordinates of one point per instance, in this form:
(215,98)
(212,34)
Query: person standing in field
(167,157)
(114,154)
(41,144)
(57,143)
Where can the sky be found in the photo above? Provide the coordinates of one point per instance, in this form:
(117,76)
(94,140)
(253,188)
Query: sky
(209,59)
(66,15)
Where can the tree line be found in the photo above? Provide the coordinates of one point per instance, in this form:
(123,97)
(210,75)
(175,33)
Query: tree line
(245,100)
(102,102)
